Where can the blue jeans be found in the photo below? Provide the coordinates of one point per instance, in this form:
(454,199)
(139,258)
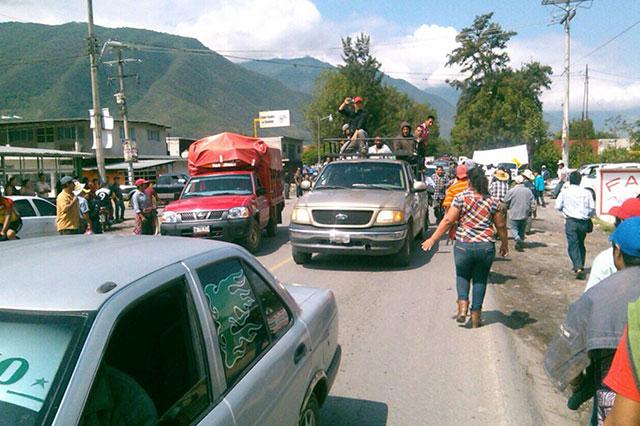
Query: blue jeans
(473,262)
(517,228)
(576,232)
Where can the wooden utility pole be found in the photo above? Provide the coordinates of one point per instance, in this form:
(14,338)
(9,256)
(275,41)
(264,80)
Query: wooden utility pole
(97,112)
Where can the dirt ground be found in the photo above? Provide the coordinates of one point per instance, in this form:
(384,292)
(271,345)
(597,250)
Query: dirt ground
(535,289)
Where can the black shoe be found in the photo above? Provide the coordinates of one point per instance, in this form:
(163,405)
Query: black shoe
(519,245)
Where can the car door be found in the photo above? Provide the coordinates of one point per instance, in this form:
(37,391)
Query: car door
(31,224)
(47,216)
(263,350)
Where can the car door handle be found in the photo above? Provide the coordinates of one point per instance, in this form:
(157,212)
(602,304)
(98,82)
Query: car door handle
(301,351)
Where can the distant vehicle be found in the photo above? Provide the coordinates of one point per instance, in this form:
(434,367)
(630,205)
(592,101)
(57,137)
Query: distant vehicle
(589,173)
(199,333)
(369,206)
(512,168)
(38,216)
(170,186)
(235,191)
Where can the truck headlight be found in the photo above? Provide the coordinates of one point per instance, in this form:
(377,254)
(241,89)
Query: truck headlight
(300,215)
(389,217)
(238,212)
(169,217)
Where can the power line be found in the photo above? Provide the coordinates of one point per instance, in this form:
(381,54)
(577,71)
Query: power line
(609,41)
(41,60)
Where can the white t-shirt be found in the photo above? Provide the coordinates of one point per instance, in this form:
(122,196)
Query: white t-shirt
(601,268)
(384,149)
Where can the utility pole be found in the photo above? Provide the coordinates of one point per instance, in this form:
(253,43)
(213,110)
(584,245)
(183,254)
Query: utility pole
(95,94)
(585,98)
(568,8)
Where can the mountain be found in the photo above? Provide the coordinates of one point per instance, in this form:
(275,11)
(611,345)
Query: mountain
(554,118)
(301,73)
(45,74)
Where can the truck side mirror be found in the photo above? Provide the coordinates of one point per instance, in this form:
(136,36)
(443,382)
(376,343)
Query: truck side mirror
(261,191)
(305,185)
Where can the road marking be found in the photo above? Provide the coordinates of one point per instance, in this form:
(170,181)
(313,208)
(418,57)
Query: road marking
(279,265)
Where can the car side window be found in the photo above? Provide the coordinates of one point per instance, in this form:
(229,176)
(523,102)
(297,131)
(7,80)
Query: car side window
(153,369)
(45,209)
(235,312)
(24,208)
(275,312)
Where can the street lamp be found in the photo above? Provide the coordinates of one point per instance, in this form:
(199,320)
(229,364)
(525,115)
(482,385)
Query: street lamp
(9,117)
(328,117)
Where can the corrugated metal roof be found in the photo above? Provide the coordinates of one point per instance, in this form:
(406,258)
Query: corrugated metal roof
(139,165)
(19,151)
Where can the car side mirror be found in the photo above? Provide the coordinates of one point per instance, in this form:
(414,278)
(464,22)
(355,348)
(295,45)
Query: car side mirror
(419,186)
(305,185)
(261,191)
(182,181)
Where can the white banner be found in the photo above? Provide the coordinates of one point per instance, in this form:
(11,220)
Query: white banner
(270,119)
(513,154)
(615,186)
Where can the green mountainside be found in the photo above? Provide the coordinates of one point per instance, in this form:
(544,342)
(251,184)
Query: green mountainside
(301,73)
(45,74)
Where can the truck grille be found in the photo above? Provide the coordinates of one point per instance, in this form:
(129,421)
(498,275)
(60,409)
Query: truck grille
(201,215)
(342,217)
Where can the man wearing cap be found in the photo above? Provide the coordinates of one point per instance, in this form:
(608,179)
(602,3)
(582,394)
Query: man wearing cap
(603,265)
(357,117)
(139,204)
(581,353)
(538,185)
(67,211)
(440,185)
(519,202)
(577,206)
(528,183)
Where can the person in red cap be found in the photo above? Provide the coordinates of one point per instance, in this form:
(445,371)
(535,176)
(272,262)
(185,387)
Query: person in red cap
(356,115)
(139,205)
(603,265)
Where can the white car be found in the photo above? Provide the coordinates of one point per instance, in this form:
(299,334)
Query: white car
(38,216)
(589,173)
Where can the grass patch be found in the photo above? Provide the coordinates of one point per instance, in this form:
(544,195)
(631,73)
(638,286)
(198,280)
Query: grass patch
(604,226)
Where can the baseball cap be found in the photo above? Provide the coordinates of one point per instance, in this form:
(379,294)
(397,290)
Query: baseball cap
(357,99)
(345,126)
(626,237)
(461,171)
(630,208)
(560,162)
(140,181)
(66,179)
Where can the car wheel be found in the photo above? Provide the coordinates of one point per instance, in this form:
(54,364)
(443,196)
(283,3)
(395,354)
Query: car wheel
(252,240)
(299,257)
(310,414)
(403,257)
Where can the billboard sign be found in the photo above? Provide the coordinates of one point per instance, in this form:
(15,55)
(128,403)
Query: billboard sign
(615,186)
(269,119)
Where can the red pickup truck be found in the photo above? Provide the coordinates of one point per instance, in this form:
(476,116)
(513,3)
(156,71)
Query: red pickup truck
(235,191)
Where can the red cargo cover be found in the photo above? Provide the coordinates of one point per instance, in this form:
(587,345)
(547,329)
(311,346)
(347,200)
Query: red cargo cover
(229,151)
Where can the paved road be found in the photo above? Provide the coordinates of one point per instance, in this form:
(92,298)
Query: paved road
(405,360)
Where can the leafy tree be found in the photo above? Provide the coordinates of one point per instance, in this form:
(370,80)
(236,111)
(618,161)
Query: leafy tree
(548,154)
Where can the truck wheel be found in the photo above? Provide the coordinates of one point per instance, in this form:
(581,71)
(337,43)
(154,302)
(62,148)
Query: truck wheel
(403,257)
(272,226)
(300,258)
(310,414)
(252,240)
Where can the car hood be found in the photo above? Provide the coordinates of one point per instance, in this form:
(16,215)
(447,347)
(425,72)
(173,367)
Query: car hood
(221,202)
(365,198)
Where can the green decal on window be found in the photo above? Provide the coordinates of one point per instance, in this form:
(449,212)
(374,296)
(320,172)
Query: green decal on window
(231,303)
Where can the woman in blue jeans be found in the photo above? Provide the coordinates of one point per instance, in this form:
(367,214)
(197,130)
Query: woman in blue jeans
(478,217)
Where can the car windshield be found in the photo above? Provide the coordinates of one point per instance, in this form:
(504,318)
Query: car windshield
(219,185)
(36,352)
(369,174)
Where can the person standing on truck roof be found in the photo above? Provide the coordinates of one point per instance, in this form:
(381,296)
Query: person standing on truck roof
(403,143)
(357,116)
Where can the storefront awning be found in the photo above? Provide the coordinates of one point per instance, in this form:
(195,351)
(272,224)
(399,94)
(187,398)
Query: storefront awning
(139,165)
(18,151)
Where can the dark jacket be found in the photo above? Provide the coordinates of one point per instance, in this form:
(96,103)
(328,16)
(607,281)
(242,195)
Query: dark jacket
(357,120)
(402,144)
(595,321)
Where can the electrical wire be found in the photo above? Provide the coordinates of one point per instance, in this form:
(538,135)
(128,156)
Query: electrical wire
(609,41)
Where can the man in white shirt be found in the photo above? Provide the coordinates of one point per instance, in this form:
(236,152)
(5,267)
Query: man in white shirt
(562,178)
(577,206)
(603,265)
(379,147)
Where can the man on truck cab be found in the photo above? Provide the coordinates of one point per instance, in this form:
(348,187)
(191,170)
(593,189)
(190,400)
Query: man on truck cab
(353,110)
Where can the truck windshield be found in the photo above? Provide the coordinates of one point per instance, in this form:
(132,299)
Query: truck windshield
(219,185)
(370,174)
(36,353)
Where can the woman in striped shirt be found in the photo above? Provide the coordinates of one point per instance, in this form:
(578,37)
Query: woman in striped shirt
(478,218)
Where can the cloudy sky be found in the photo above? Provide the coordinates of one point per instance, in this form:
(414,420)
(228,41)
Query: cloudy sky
(411,38)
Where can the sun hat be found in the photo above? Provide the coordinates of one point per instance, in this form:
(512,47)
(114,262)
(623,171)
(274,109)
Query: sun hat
(528,174)
(501,175)
(560,162)
(519,179)
(626,237)
(461,171)
(630,208)
(78,188)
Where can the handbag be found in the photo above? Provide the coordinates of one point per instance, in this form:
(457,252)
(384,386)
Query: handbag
(589,228)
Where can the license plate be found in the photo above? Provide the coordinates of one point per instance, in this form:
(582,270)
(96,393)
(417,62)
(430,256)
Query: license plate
(200,230)
(339,237)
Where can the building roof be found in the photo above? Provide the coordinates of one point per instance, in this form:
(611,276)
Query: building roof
(62,273)
(138,165)
(68,120)
(18,151)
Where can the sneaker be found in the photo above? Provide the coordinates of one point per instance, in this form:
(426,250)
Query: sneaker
(580,274)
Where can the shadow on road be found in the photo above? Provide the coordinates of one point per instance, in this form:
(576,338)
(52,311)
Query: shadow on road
(272,244)
(498,278)
(515,320)
(338,410)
